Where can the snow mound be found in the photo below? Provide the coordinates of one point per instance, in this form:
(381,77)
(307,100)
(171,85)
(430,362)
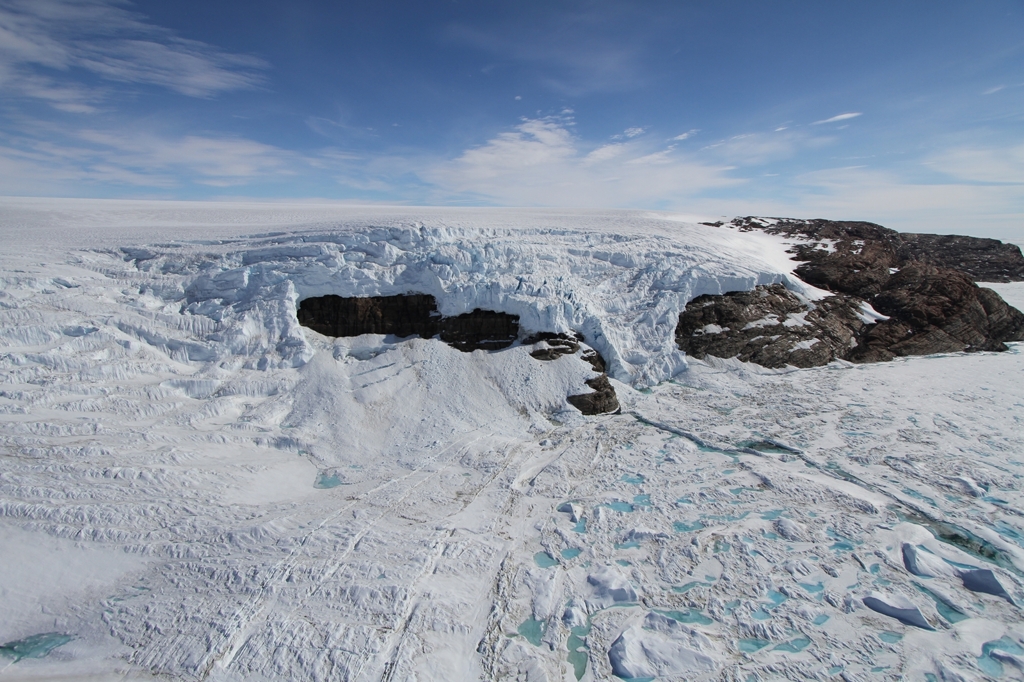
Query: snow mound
(660,647)
(609,587)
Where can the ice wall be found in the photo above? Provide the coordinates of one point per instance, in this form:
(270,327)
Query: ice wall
(623,292)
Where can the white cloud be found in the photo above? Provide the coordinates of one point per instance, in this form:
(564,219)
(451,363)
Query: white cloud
(982,164)
(42,40)
(541,162)
(685,136)
(633,132)
(752,149)
(141,160)
(840,117)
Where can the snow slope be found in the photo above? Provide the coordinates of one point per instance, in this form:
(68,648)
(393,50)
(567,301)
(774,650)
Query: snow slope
(192,485)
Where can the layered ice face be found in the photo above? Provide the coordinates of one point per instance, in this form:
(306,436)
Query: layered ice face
(622,291)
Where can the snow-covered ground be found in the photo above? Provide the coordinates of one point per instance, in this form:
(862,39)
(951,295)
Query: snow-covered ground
(192,485)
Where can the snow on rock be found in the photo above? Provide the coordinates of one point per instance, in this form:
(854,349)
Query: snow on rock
(660,647)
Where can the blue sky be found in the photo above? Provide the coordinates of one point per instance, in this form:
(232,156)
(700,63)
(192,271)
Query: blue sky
(910,114)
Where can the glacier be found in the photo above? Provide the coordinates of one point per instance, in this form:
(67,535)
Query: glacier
(195,487)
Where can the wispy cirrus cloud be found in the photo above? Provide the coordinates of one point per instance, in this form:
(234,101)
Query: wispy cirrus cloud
(44,42)
(754,149)
(576,48)
(840,117)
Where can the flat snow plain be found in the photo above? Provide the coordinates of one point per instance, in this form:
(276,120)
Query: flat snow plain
(195,487)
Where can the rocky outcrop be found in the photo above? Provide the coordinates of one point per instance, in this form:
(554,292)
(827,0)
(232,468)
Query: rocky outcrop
(603,400)
(408,315)
(402,315)
(836,252)
(985,260)
(551,346)
(417,315)
(937,310)
(480,330)
(771,327)
(925,306)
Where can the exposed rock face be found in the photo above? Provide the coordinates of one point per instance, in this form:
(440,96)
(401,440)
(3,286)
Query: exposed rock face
(552,346)
(937,310)
(931,308)
(480,330)
(837,248)
(770,327)
(417,315)
(402,315)
(603,400)
(985,260)
(408,315)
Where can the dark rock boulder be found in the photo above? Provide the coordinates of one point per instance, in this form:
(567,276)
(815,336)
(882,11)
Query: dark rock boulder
(602,401)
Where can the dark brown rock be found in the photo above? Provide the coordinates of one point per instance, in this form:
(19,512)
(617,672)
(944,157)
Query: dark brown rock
(480,330)
(408,315)
(843,256)
(401,315)
(594,359)
(552,345)
(924,283)
(985,260)
(938,310)
(602,401)
(769,326)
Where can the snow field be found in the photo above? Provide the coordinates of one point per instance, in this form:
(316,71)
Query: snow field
(194,486)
